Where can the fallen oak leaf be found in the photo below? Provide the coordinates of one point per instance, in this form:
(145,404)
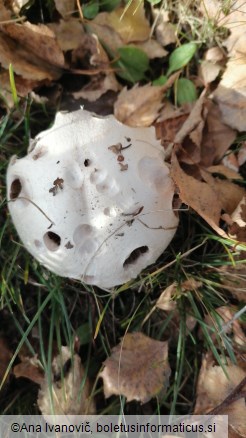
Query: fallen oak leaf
(137,368)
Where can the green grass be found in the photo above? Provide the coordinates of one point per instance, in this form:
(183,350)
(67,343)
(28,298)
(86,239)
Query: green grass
(40,312)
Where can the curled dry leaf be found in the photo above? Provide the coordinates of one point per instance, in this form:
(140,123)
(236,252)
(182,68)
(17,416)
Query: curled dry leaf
(137,368)
(237,227)
(165,300)
(208,71)
(140,105)
(30,369)
(70,396)
(152,49)
(214,387)
(164,30)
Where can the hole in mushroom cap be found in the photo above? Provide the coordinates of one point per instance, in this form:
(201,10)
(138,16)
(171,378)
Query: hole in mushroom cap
(52,241)
(135,254)
(15,189)
(87,162)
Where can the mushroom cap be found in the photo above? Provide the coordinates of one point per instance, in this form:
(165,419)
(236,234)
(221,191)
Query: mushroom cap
(92,199)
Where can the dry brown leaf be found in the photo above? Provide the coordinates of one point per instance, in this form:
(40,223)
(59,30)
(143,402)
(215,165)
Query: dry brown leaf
(97,86)
(30,369)
(190,134)
(152,48)
(225,171)
(137,368)
(102,82)
(208,71)
(228,193)
(65,7)
(140,105)
(165,301)
(69,33)
(212,389)
(237,227)
(217,137)
(164,30)
(38,39)
(25,64)
(69,396)
(169,123)
(110,37)
(130,22)
(198,195)
(214,54)
(231,93)
(242,154)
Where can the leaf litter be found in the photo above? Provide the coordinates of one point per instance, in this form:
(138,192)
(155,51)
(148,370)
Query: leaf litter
(197,137)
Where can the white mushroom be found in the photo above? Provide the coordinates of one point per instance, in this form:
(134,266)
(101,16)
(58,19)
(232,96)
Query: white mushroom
(92,200)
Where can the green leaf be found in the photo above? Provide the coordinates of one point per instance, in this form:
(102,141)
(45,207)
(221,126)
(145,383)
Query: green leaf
(91,9)
(84,333)
(186,91)
(109,5)
(160,81)
(181,56)
(132,64)
(154,2)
